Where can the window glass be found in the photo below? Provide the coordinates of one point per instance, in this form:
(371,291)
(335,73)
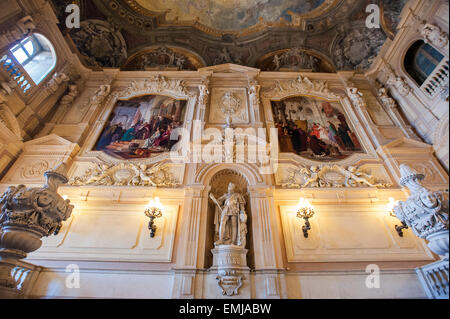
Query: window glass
(29,47)
(20,55)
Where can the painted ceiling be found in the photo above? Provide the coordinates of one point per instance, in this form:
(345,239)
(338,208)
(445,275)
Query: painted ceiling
(284,35)
(230,14)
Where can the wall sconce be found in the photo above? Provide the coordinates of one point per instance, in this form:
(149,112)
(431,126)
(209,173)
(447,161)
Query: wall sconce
(153,210)
(305,210)
(390,210)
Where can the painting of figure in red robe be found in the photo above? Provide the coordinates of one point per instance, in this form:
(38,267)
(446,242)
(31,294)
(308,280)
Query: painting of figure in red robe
(142,127)
(314,128)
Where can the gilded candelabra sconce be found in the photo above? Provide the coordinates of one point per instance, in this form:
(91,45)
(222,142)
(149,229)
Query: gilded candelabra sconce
(305,210)
(390,210)
(153,210)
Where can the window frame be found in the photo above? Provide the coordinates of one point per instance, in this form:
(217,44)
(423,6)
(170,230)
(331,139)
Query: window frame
(37,48)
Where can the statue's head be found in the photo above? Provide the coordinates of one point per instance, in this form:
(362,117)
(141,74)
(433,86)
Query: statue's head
(429,199)
(231,188)
(44,199)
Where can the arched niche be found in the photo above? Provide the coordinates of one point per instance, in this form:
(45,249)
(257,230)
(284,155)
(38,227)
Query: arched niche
(217,177)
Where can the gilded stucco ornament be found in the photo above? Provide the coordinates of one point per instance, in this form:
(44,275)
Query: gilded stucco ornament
(425,211)
(126,174)
(331,176)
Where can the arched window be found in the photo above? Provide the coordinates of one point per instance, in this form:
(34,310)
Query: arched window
(421,60)
(34,56)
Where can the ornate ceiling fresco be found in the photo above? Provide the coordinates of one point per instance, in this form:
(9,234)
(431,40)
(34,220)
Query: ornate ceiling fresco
(229,14)
(285,35)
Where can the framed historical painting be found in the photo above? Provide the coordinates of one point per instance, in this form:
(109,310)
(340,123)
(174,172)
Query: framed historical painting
(141,127)
(315,129)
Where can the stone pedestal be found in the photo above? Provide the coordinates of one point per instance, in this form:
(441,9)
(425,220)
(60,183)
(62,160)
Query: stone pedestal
(230,262)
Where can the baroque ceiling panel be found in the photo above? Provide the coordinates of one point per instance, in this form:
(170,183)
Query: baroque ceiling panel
(317,35)
(229,14)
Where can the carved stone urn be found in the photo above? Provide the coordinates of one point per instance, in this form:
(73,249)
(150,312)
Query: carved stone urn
(27,215)
(425,212)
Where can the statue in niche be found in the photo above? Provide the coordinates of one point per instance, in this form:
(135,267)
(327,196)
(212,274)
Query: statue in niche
(230,219)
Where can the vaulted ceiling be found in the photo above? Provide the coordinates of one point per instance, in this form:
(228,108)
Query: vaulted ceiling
(317,35)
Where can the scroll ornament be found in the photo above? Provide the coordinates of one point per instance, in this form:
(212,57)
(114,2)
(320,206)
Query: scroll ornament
(331,176)
(127,174)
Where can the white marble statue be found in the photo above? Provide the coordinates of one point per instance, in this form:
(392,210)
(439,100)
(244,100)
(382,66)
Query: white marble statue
(385,99)
(356,97)
(230,218)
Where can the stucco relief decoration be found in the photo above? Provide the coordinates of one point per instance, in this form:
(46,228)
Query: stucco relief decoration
(385,99)
(20,30)
(230,106)
(36,170)
(331,176)
(56,81)
(294,59)
(156,84)
(393,80)
(425,212)
(226,55)
(127,174)
(432,34)
(67,100)
(100,95)
(356,97)
(302,85)
(163,58)
(100,44)
(40,210)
